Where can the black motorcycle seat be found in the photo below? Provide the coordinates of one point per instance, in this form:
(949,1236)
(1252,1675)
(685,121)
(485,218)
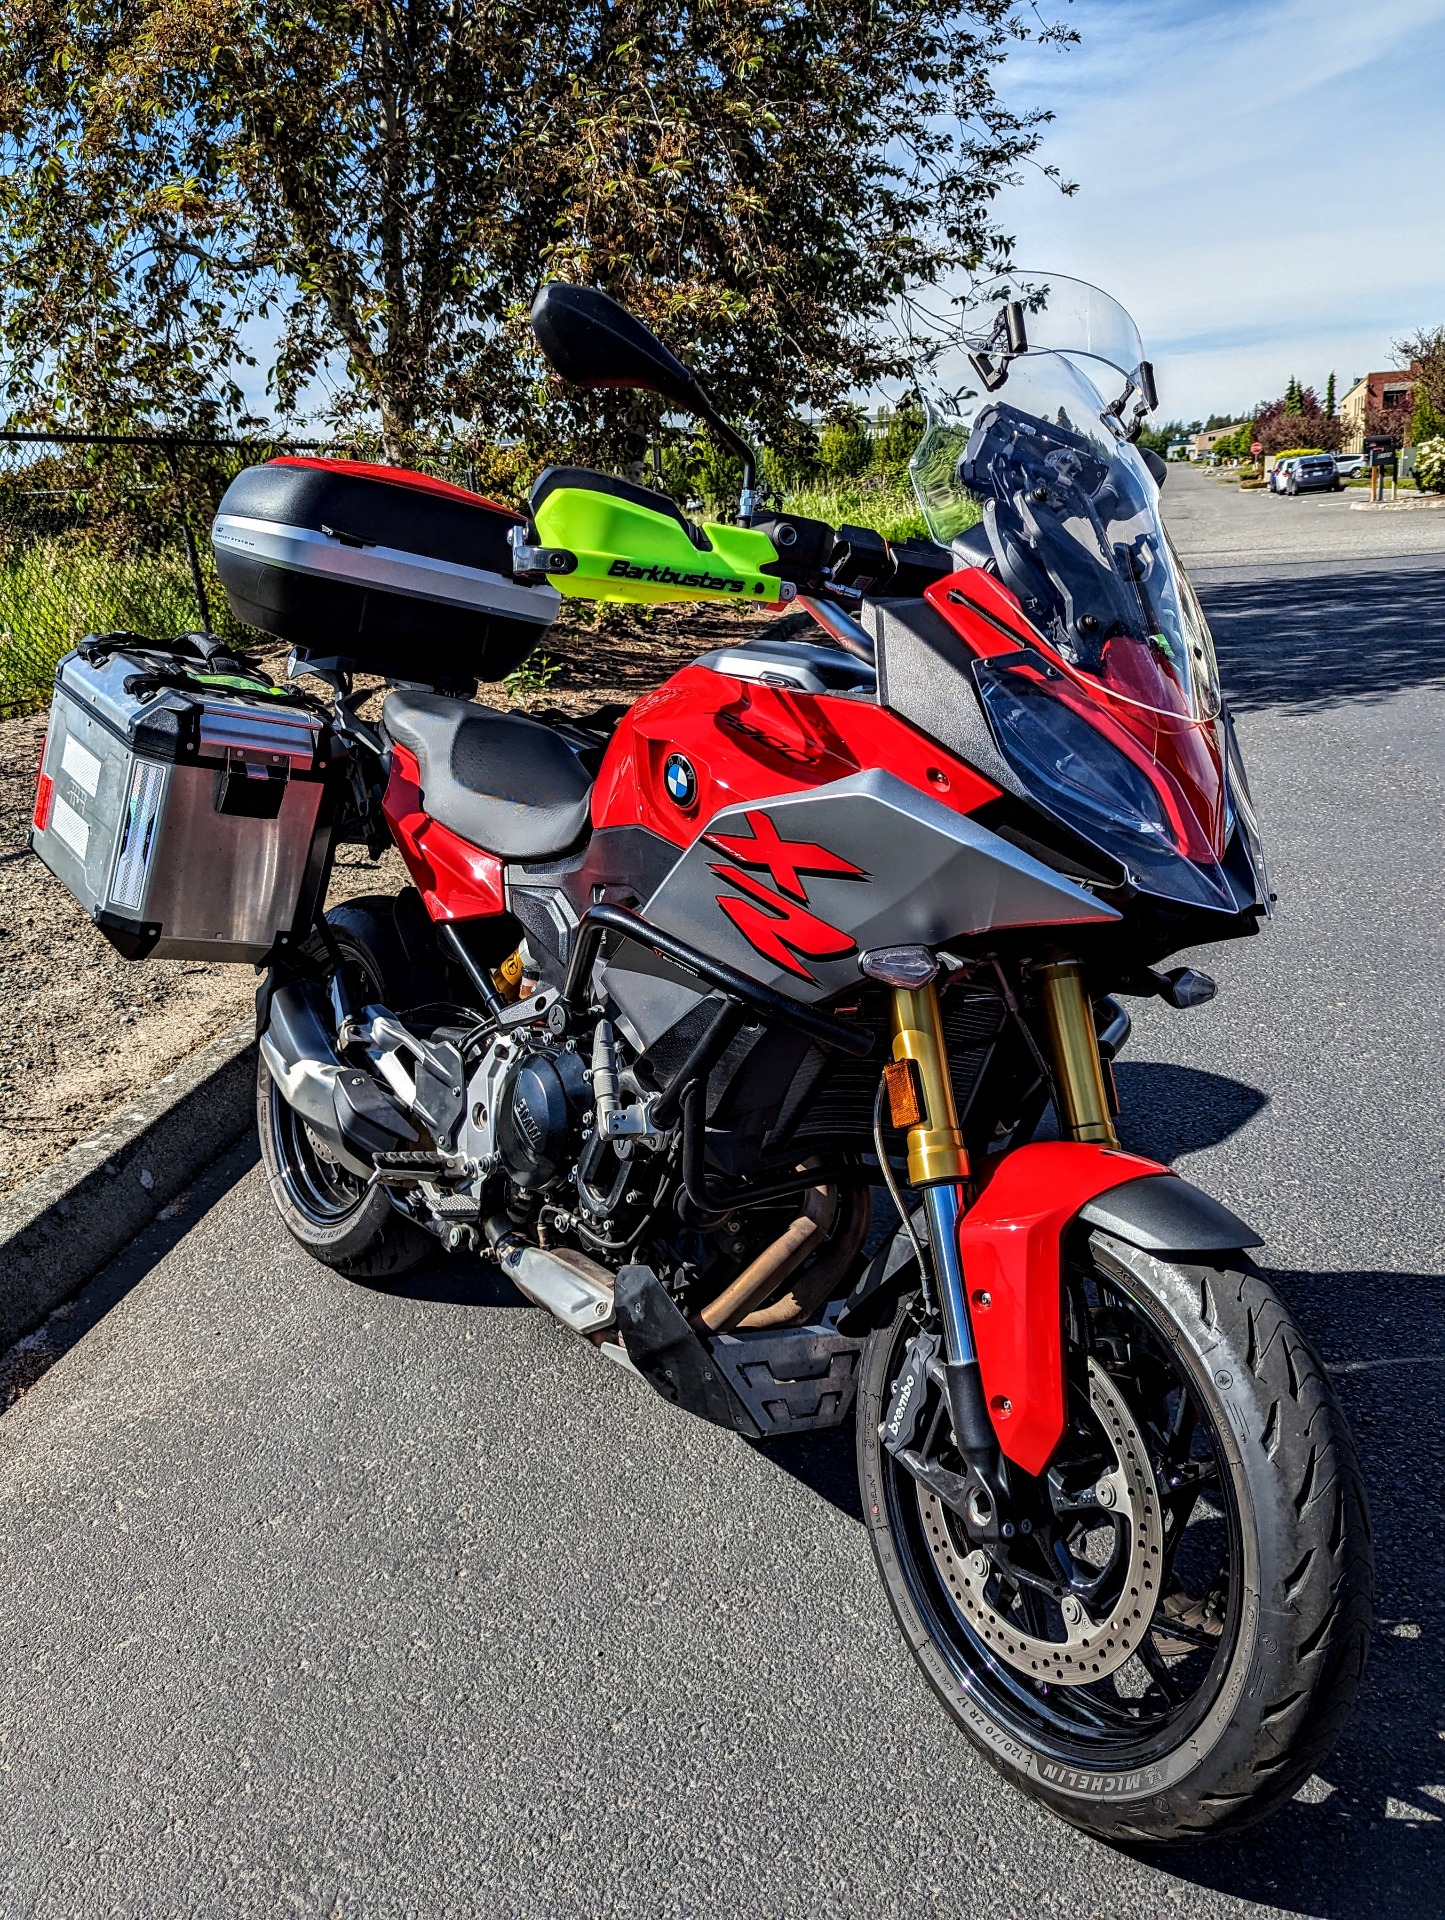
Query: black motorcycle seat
(505,783)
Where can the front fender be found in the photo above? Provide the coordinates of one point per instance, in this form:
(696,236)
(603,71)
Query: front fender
(1009,1242)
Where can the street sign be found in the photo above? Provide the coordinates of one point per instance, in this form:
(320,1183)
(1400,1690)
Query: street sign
(1256,447)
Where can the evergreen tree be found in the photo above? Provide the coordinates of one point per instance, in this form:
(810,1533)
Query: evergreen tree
(1330,397)
(1292,402)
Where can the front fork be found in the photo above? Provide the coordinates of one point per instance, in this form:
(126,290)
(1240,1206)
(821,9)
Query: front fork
(938,1164)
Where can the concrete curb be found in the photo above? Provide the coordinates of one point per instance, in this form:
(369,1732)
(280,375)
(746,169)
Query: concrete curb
(1425,503)
(66,1224)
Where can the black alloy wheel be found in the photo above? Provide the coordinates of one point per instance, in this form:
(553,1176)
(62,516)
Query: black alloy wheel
(1200,1526)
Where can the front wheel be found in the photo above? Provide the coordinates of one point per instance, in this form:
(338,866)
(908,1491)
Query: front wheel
(1169,1647)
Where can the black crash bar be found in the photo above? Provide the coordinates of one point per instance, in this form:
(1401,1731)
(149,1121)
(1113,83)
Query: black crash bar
(600,920)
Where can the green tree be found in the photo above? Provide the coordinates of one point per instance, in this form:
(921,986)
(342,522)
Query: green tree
(1236,445)
(1330,396)
(383,183)
(1424,354)
(1159,439)
(1292,398)
(900,429)
(844,447)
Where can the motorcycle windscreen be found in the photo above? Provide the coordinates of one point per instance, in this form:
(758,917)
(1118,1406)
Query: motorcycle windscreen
(1072,518)
(1059,314)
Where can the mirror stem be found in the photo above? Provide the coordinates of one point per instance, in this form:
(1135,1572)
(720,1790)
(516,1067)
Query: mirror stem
(747,500)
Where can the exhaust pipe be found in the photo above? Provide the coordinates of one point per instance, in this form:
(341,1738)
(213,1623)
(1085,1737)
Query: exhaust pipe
(578,1291)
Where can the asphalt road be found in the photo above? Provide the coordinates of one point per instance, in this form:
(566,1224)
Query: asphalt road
(329,1600)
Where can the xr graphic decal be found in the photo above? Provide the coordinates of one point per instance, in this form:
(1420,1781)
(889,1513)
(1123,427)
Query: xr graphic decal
(775,919)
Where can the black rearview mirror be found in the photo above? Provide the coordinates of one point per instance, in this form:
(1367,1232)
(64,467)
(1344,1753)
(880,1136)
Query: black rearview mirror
(593,342)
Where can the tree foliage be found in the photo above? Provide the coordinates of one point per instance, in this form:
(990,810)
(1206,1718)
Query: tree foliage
(1424,353)
(1168,432)
(381,184)
(1296,420)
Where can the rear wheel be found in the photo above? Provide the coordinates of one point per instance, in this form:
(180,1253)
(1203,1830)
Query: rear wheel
(1171,1644)
(326,1207)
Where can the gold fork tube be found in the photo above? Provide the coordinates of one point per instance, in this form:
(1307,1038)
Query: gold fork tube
(1078,1071)
(935,1149)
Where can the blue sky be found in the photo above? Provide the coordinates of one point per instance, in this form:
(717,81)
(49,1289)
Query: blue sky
(1259,182)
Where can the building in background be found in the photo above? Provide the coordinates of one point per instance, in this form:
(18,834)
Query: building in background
(1376,396)
(1205,443)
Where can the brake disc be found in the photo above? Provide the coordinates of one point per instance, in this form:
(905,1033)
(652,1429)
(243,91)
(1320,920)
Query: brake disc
(1093,1648)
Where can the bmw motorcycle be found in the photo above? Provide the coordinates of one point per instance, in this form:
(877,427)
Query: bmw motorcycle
(684,1000)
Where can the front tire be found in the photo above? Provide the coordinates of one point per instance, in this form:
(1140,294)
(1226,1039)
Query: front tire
(1259,1617)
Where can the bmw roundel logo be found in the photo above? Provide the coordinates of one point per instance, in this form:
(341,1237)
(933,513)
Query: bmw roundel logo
(680,780)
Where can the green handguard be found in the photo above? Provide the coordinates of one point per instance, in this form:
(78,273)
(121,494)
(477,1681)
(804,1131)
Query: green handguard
(621,549)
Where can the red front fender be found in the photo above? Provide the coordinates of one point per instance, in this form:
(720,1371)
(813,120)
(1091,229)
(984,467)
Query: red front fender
(1009,1243)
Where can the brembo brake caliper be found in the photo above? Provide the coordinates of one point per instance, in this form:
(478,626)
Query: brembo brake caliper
(975,1494)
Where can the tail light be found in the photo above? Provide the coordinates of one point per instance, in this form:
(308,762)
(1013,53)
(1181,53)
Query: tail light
(44,793)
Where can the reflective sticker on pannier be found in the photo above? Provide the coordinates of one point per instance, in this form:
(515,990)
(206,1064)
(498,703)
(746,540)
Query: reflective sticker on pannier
(67,825)
(143,805)
(82,766)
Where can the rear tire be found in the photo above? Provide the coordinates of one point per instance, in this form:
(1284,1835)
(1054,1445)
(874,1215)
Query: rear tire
(1264,1602)
(324,1206)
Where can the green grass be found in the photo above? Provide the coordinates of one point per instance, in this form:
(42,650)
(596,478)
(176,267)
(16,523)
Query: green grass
(55,592)
(887,506)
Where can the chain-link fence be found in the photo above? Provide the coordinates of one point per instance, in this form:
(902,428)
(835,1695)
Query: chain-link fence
(106,532)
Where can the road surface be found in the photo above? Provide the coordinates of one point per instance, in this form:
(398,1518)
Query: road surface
(319,1599)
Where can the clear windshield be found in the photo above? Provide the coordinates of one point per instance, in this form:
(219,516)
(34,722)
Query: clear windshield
(1025,431)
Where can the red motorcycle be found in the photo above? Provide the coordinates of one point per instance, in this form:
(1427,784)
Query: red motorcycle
(685,999)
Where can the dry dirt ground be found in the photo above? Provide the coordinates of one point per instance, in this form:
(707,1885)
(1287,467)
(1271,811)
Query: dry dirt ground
(82,1030)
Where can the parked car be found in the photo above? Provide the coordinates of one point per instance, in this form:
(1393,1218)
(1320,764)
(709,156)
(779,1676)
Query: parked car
(1313,473)
(1279,473)
(1347,465)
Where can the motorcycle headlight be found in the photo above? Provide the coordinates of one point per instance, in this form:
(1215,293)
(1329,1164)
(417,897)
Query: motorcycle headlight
(1075,773)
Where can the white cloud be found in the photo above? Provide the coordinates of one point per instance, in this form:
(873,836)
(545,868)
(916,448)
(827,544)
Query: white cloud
(1255,182)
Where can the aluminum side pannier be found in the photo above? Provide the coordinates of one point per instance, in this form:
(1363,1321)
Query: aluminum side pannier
(183,810)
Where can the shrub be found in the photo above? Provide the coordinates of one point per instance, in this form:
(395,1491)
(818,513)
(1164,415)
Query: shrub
(900,431)
(844,449)
(1430,465)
